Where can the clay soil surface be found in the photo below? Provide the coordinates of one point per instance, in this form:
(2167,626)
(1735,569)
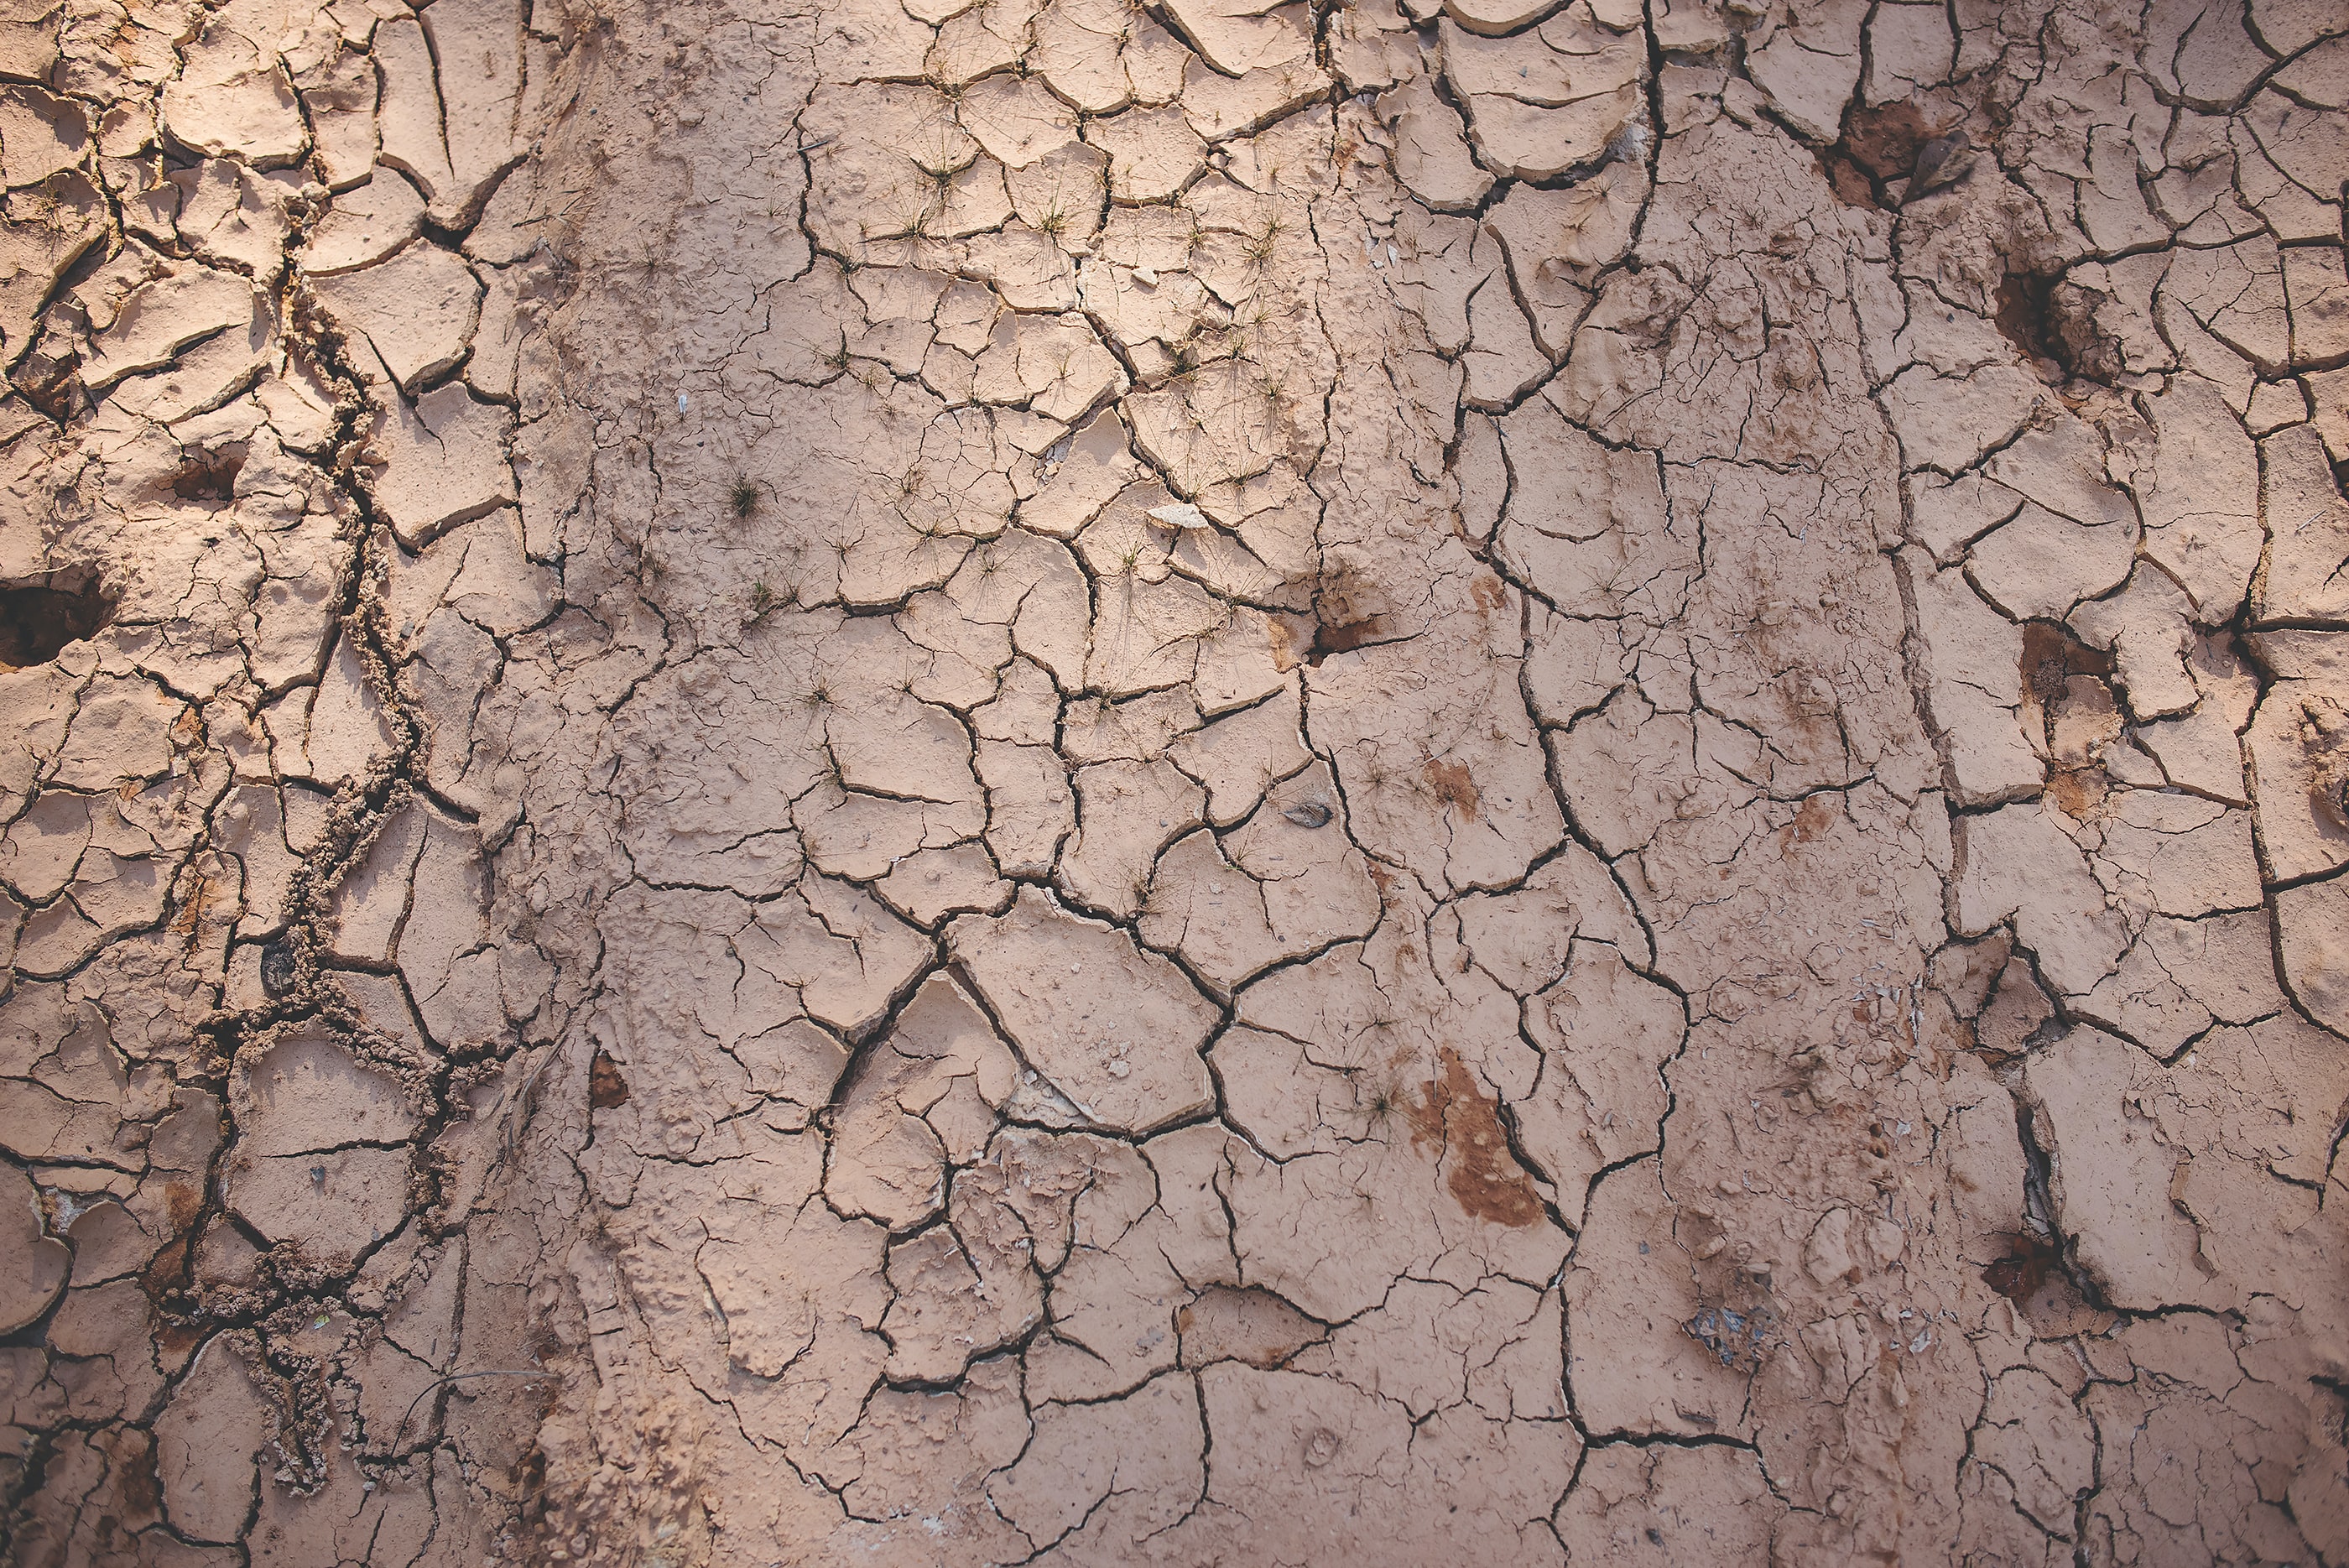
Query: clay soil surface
(968,782)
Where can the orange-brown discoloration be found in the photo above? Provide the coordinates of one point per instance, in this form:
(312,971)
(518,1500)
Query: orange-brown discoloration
(1453,785)
(1454,1117)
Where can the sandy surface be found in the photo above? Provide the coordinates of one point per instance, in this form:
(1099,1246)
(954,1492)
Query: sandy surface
(974,781)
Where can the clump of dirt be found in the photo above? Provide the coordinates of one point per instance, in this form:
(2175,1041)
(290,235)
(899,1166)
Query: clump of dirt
(2052,319)
(1884,140)
(2068,702)
(2051,656)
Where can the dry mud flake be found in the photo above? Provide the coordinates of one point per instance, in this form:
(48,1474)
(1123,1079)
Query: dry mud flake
(951,783)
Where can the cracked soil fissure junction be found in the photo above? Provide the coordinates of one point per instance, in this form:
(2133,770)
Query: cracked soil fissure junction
(981,782)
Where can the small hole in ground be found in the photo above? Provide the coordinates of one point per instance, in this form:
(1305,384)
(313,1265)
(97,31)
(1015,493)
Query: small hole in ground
(40,616)
(2026,315)
(1877,145)
(209,475)
(605,1087)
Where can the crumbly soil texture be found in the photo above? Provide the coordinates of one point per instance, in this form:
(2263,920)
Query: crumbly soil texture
(950,782)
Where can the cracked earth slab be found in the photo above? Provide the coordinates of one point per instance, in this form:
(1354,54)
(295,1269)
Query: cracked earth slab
(1058,780)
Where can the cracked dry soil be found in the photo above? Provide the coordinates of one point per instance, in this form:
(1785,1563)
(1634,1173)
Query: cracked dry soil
(976,781)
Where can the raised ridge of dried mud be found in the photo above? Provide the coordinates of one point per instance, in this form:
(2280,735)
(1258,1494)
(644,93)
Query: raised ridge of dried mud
(973,782)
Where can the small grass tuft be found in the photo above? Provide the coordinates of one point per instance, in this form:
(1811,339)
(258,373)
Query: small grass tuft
(744,495)
(1259,246)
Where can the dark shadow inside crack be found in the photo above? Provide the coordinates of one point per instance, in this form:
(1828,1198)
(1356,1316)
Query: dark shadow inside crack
(2026,315)
(1343,619)
(2032,1274)
(40,617)
(2052,319)
(607,1089)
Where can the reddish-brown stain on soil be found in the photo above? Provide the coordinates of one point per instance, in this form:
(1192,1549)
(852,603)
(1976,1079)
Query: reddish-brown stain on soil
(1452,784)
(187,924)
(2052,655)
(166,1271)
(2079,793)
(142,1493)
(1453,1116)
(182,1201)
(1846,180)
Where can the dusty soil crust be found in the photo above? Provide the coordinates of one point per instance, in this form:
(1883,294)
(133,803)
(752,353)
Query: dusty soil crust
(972,782)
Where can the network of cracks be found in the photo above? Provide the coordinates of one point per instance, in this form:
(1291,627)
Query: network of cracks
(978,781)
